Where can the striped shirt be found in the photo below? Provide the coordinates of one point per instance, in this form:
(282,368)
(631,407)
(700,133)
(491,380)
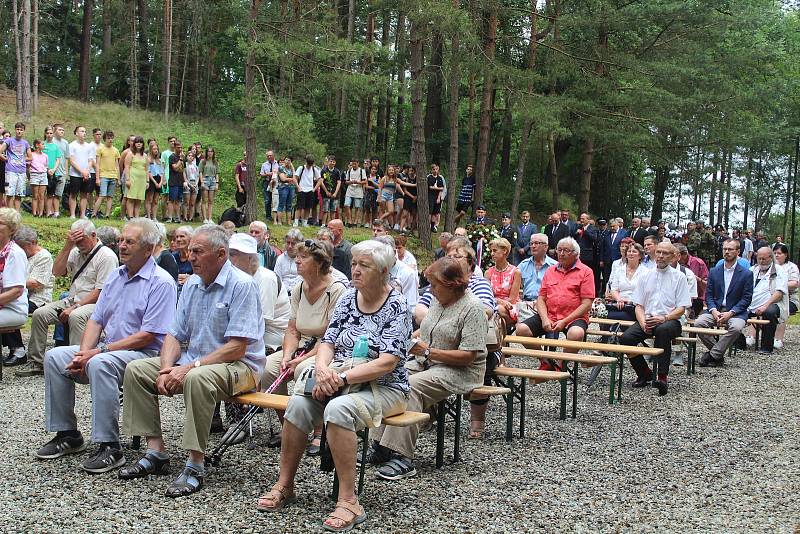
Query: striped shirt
(467,189)
(479,286)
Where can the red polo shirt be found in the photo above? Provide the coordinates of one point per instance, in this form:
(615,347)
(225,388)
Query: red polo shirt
(564,290)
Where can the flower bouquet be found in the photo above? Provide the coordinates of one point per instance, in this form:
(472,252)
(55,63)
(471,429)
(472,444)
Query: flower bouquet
(480,235)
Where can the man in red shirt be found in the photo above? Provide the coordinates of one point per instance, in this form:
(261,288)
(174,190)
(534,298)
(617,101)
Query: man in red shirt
(564,299)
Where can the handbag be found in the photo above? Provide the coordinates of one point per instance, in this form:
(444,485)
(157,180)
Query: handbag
(598,309)
(496,333)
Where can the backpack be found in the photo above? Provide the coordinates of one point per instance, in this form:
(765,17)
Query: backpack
(235,215)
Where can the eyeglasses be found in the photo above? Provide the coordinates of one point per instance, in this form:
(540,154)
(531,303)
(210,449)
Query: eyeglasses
(538,243)
(564,251)
(456,256)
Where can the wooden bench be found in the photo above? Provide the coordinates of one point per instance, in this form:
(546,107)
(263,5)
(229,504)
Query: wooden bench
(619,352)
(7,330)
(505,376)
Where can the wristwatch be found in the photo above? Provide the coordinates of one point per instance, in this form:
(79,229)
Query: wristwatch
(103,347)
(343,376)
(427,353)
(196,364)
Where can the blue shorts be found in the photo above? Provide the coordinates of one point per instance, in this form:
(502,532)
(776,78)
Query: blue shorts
(330,204)
(176,193)
(285,198)
(107,187)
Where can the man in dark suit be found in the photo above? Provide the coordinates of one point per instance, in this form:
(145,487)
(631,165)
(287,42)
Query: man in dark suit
(604,253)
(587,237)
(728,295)
(615,236)
(638,232)
(562,227)
(573,226)
(525,229)
(508,230)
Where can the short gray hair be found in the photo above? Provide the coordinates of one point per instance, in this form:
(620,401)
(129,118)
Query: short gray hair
(539,236)
(108,235)
(151,234)
(619,221)
(294,234)
(682,248)
(386,240)
(26,235)
(216,235)
(325,232)
(188,230)
(382,254)
(11,218)
(162,231)
(84,224)
(259,224)
(572,243)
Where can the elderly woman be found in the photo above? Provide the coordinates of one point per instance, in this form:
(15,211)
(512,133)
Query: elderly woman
(505,279)
(38,281)
(164,258)
(368,389)
(13,272)
(183,234)
(782,258)
(449,358)
(313,301)
(285,265)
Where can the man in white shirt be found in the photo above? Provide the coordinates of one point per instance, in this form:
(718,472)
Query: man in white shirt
(269,183)
(401,276)
(82,158)
(770,296)
(307,177)
(661,298)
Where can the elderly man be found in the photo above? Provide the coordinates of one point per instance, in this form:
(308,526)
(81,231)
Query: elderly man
(444,239)
(770,297)
(39,285)
(728,294)
(219,318)
(134,309)
(89,264)
(266,254)
(637,231)
(401,276)
(565,296)
(341,247)
(532,270)
(661,298)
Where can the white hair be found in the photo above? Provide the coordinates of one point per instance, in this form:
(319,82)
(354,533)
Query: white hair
(151,235)
(186,229)
(216,235)
(383,255)
(539,236)
(84,224)
(259,224)
(572,243)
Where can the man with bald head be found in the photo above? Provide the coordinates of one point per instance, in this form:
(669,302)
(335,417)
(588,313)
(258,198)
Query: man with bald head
(661,298)
(341,247)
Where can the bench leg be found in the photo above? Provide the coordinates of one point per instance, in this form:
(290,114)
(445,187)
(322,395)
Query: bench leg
(510,409)
(619,379)
(693,350)
(457,440)
(523,387)
(575,367)
(563,412)
(440,420)
(364,446)
(613,384)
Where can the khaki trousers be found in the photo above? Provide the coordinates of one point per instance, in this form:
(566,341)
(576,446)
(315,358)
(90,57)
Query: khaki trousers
(48,314)
(203,387)
(427,388)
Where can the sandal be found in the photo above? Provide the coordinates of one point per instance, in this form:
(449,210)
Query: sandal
(476,429)
(313,447)
(347,515)
(275,499)
(189,481)
(147,465)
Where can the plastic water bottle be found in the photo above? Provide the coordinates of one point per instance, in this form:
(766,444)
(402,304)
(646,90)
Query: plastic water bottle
(360,351)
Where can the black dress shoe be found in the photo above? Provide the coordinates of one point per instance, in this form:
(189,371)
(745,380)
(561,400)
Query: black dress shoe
(11,360)
(641,382)
(661,387)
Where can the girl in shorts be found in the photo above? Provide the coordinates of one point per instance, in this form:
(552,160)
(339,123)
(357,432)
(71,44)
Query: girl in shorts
(155,179)
(38,178)
(209,184)
(388,191)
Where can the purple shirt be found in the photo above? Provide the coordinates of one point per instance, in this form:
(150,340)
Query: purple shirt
(143,303)
(15,152)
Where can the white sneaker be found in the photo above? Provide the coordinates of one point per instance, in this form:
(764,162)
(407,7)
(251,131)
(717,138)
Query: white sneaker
(751,341)
(396,227)
(677,359)
(294,224)
(778,344)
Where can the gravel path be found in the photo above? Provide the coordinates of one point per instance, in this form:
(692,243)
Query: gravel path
(718,454)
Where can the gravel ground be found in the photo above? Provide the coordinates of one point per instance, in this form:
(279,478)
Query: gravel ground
(718,454)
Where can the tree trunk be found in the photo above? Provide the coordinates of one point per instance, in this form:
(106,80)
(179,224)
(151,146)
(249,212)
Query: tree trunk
(167,56)
(748,179)
(84,74)
(553,169)
(400,46)
(523,156)
(351,24)
(183,74)
(433,108)
(35,89)
(723,176)
(418,157)
(728,189)
(25,101)
(251,206)
(712,194)
(659,190)
(381,128)
(452,171)
(505,148)
(586,175)
(283,68)
(133,57)
(471,122)
(106,26)
(145,66)
(489,48)
(18,51)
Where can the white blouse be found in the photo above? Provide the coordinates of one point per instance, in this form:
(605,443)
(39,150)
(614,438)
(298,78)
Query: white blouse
(620,282)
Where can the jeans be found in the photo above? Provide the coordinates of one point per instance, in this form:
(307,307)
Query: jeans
(267,203)
(285,198)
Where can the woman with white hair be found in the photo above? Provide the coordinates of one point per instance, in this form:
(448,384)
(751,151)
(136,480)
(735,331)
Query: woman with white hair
(14,305)
(367,388)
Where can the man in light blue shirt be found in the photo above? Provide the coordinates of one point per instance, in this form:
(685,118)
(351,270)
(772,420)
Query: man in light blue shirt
(532,269)
(135,308)
(219,317)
